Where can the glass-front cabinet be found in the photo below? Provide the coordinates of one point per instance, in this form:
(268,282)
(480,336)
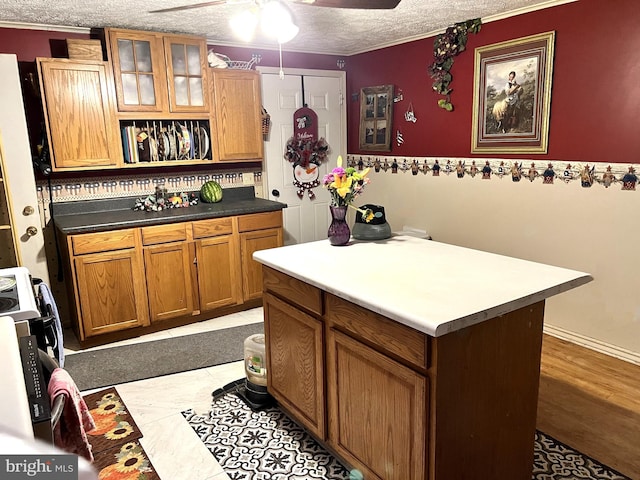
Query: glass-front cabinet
(157,72)
(187,73)
(139,70)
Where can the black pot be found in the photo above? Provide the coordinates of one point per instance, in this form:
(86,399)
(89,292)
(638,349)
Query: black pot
(376,229)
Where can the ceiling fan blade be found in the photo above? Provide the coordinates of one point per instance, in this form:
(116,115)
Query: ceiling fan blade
(188,7)
(362,4)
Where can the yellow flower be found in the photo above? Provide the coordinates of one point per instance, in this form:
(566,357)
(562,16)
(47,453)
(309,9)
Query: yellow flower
(121,430)
(109,407)
(345,187)
(368,215)
(133,461)
(127,449)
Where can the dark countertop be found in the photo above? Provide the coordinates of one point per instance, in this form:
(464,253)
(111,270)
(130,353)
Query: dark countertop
(115,213)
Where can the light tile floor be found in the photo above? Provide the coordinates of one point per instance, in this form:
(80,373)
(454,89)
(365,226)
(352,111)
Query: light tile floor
(155,403)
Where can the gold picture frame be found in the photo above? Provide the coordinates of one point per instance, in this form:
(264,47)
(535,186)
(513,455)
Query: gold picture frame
(512,95)
(376,118)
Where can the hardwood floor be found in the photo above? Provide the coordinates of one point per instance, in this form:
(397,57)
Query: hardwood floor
(591,402)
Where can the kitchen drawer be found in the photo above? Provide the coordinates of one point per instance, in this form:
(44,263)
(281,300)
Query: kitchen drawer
(212,227)
(379,332)
(174,232)
(293,290)
(103,241)
(259,221)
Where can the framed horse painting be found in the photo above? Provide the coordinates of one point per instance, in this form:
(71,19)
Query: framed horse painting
(512,95)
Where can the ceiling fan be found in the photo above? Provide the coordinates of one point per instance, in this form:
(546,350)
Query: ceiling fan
(361,4)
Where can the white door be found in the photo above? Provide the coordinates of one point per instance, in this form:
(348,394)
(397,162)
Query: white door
(305,220)
(22,185)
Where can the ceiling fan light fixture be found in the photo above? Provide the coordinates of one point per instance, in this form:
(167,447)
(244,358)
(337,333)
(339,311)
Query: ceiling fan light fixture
(288,32)
(277,22)
(244,24)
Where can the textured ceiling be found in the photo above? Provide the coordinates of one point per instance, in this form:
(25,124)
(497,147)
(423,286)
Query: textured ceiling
(322,30)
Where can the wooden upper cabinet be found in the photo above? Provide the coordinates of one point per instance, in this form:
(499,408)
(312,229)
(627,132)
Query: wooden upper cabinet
(187,73)
(238,114)
(79,107)
(158,73)
(139,70)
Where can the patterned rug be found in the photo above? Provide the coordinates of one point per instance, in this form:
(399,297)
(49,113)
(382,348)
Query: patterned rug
(268,445)
(115,442)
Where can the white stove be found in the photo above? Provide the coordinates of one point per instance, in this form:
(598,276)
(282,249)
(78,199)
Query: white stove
(17,297)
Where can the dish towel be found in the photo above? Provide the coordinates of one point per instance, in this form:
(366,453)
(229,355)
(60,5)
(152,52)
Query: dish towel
(70,434)
(47,298)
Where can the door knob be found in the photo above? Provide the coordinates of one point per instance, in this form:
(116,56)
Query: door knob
(32,231)
(28,210)
(275,193)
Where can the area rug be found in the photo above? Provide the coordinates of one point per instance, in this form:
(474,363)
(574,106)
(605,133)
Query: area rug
(268,445)
(128,363)
(115,442)
(114,424)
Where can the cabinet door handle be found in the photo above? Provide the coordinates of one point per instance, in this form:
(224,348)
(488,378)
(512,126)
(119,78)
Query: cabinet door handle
(275,193)
(195,260)
(32,231)
(28,210)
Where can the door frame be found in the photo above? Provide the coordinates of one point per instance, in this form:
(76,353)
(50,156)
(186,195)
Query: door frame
(340,74)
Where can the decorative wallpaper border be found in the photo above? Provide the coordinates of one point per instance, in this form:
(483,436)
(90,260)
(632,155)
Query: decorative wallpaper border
(547,171)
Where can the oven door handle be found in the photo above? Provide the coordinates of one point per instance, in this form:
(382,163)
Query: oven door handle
(56,409)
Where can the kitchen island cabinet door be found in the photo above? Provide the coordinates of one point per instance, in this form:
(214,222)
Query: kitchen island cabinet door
(168,274)
(251,270)
(218,275)
(295,362)
(111,292)
(79,107)
(377,411)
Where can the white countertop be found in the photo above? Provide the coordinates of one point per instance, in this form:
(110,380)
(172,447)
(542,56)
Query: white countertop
(433,287)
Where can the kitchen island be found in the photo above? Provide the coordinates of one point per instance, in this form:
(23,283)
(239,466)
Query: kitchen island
(410,359)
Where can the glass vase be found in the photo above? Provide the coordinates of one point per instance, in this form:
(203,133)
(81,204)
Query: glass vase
(339,232)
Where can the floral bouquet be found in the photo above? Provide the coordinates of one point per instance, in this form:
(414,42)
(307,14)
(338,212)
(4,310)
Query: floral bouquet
(344,185)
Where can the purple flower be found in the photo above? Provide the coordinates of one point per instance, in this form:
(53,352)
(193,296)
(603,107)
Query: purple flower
(338,171)
(327,179)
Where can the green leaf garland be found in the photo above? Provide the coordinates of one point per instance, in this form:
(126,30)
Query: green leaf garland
(446,46)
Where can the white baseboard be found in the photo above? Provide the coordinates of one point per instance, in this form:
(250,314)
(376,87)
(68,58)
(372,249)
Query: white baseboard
(593,344)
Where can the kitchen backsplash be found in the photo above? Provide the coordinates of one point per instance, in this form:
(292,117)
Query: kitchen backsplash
(137,185)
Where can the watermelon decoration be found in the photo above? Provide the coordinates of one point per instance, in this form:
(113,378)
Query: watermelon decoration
(211,192)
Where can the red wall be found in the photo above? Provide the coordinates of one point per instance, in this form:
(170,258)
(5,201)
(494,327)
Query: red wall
(595,99)
(595,96)
(29,44)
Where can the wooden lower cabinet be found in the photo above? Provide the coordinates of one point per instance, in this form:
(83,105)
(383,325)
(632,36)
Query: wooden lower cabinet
(218,273)
(111,292)
(168,275)
(377,410)
(251,270)
(133,277)
(296,368)
(399,404)
(372,410)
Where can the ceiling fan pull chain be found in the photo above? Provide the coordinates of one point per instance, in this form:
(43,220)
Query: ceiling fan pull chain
(281,70)
(304,103)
